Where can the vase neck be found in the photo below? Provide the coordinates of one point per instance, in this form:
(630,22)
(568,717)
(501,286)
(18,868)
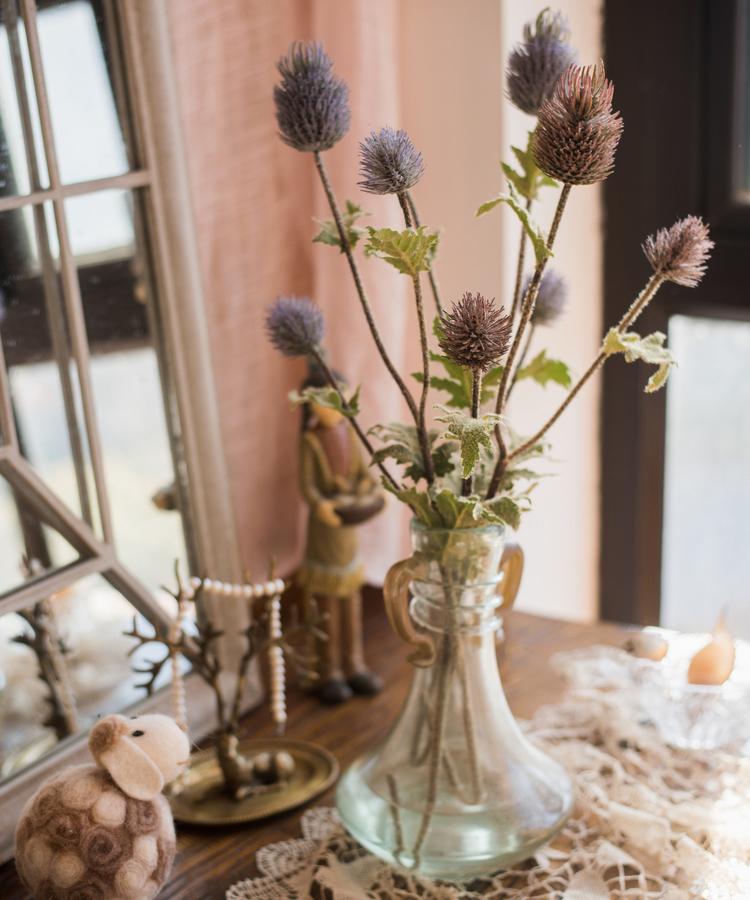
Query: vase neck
(455,585)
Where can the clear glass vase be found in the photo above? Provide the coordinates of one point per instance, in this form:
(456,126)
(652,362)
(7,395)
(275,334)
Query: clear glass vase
(455,791)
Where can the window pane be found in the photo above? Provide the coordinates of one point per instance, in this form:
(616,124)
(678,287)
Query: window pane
(706,543)
(83,87)
(43,379)
(22,163)
(113,273)
(47,696)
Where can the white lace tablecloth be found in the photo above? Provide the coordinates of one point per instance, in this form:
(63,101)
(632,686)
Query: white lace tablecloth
(650,821)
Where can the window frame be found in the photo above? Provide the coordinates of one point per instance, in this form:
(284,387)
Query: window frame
(144,38)
(679,95)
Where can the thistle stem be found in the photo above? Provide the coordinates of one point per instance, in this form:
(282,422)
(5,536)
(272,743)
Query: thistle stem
(405,209)
(330,377)
(635,309)
(365,303)
(527,309)
(522,358)
(476,391)
(432,278)
(519,270)
(424,441)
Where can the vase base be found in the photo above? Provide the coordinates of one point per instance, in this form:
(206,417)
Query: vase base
(455,848)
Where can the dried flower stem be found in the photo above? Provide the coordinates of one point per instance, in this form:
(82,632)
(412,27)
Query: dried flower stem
(635,309)
(430,274)
(476,391)
(527,309)
(424,442)
(331,378)
(522,357)
(319,164)
(519,270)
(444,667)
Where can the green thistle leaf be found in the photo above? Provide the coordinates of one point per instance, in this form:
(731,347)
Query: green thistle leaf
(530,180)
(329,233)
(473,435)
(328,397)
(410,251)
(535,233)
(419,502)
(650,349)
(543,369)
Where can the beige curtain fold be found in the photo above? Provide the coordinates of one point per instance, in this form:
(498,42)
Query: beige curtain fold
(254,201)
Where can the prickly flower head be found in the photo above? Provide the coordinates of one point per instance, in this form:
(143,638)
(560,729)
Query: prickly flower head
(312,104)
(551,299)
(578,133)
(388,162)
(475,333)
(295,326)
(680,253)
(535,65)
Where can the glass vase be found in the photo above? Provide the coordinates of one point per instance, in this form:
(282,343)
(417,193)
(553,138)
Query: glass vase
(455,791)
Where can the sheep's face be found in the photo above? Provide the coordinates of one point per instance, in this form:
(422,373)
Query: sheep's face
(163,741)
(142,753)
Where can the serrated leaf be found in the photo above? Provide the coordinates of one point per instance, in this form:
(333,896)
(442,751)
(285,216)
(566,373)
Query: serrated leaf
(419,502)
(543,369)
(328,397)
(506,509)
(472,435)
(401,444)
(410,251)
(535,233)
(530,180)
(329,233)
(650,349)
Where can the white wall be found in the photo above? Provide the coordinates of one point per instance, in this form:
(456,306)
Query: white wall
(452,57)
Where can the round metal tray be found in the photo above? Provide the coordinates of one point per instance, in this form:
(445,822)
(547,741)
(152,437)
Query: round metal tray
(198,798)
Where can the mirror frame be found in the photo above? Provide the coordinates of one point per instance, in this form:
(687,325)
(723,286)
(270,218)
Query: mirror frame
(145,40)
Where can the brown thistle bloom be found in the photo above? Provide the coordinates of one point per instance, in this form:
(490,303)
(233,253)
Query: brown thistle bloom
(578,133)
(475,333)
(680,253)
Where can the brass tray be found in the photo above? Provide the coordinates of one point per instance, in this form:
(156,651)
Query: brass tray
(197,797)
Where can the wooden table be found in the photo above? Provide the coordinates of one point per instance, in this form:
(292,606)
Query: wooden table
(209,860)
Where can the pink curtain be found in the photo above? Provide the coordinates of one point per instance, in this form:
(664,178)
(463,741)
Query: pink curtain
(254,200)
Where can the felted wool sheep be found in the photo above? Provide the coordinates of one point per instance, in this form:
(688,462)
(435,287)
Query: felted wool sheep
(104,831)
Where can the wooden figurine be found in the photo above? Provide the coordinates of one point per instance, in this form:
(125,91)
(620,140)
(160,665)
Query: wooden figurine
(341,494)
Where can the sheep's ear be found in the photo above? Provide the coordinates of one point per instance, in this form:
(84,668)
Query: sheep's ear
(132,770)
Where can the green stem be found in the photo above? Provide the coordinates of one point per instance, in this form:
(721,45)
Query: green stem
(365,303)
(635,309)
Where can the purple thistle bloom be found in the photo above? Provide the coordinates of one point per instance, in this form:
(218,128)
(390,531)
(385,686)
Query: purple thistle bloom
(535,65)
(551,299)
(680,253)
(388,162)
(312,104)
(295,326)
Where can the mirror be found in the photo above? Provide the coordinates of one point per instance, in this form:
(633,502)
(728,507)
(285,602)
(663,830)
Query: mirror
(87,384)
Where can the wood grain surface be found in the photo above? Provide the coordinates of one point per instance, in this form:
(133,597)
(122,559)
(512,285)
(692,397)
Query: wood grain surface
(209,860)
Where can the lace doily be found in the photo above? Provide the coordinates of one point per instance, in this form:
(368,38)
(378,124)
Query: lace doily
(650,821)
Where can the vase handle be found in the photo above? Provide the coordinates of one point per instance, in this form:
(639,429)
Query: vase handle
(396,596)
(511,565)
